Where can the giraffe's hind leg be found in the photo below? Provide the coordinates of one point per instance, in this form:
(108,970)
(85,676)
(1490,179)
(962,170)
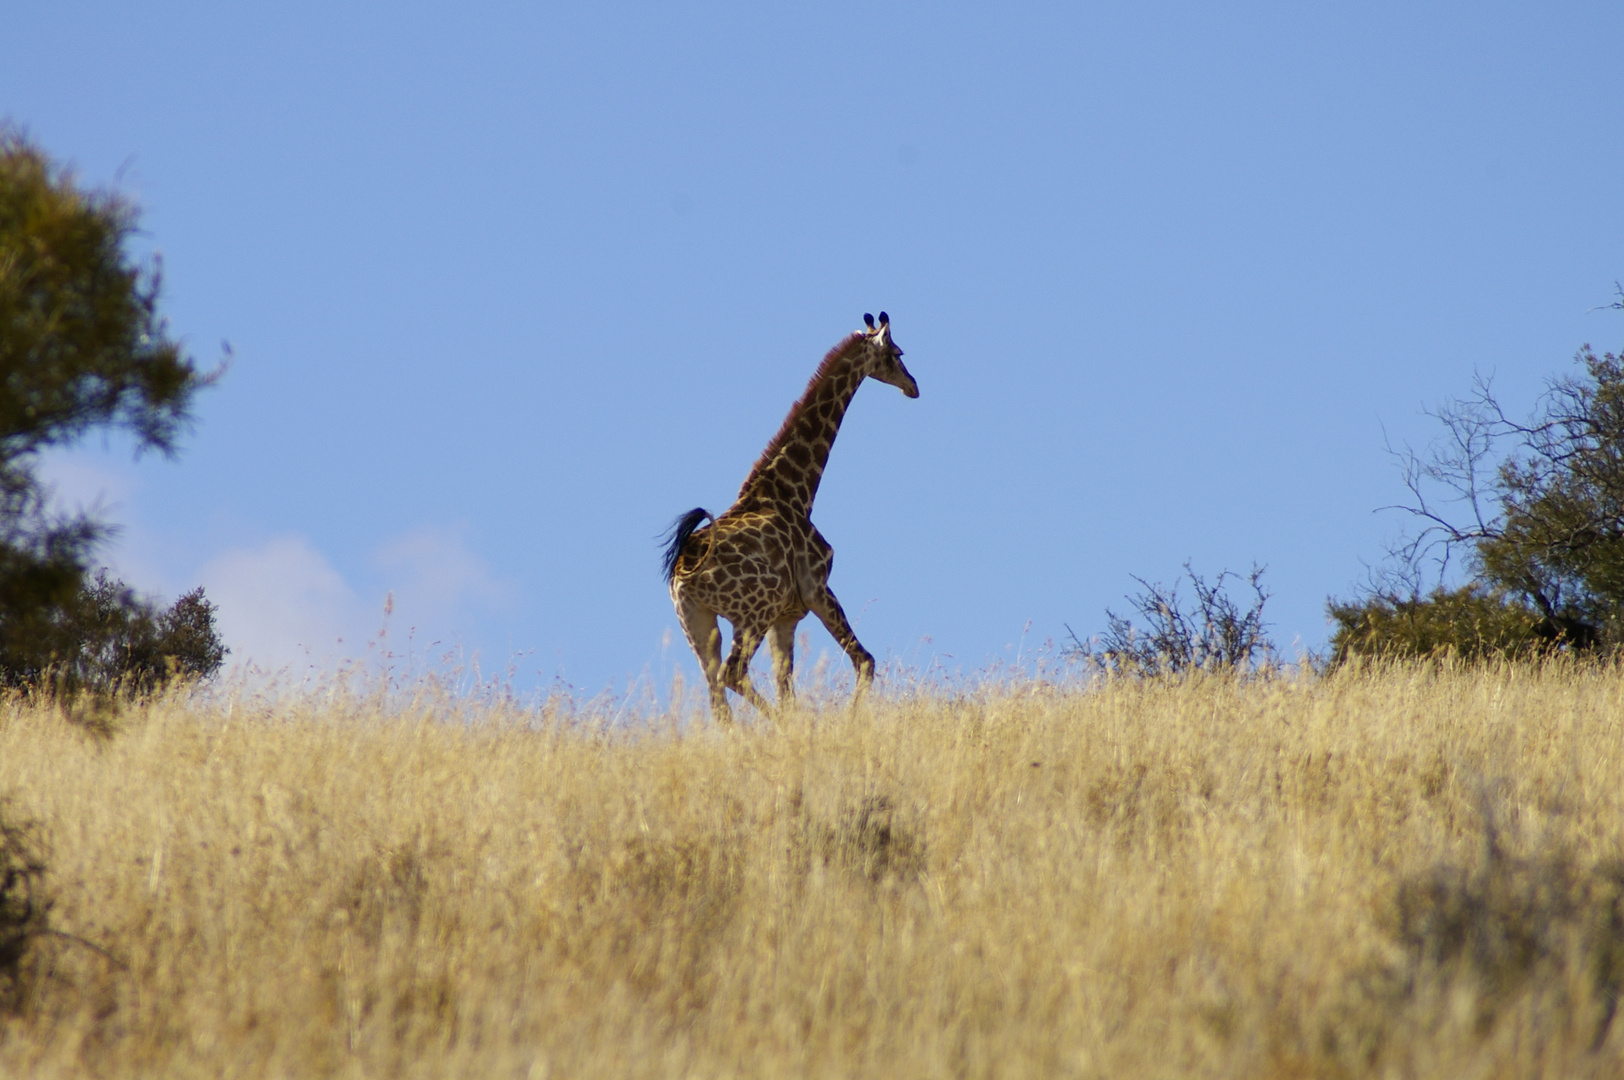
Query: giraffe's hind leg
(705,638)
(824,605)
(736,670)
(782,643)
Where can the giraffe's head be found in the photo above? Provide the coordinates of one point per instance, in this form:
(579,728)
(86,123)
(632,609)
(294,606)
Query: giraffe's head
(884,358)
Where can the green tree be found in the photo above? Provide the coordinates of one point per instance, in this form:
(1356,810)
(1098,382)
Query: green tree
(107,640)
(1533,509)
(82,346)
(1471,623)
(1558,540)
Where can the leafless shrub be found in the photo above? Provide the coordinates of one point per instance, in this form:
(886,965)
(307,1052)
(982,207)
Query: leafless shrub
(1217,634)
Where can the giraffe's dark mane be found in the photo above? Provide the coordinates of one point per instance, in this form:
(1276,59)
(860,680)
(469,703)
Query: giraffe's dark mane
(849,344)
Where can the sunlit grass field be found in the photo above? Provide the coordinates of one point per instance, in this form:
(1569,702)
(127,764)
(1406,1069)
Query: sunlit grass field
(1404,872)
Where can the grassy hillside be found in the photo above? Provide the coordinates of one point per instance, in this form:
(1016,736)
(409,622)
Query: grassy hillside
(1405,873)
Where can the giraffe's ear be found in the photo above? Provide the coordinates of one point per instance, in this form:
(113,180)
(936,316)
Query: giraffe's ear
(869,319)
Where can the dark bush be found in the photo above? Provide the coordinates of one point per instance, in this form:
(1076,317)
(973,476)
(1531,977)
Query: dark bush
(1502,930)
(24,910)
(1218,633)
(106,641)
(874,842)
(1469,623)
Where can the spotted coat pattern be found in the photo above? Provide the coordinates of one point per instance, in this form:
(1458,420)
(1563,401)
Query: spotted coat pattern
(762,565)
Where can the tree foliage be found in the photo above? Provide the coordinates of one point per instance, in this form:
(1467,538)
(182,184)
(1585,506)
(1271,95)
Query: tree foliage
(81,341)
(82,346)
(1534,511)
(106,640)
(1470,623)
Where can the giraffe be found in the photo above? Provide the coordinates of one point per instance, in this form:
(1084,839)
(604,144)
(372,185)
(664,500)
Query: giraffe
(762,565)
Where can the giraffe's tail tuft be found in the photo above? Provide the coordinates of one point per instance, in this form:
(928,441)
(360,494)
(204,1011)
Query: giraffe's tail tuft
(681,529)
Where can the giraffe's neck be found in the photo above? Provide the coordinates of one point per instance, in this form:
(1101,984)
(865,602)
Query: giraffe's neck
(788,473)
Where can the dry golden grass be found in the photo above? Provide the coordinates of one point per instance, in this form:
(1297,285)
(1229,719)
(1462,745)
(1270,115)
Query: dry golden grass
(1411,872)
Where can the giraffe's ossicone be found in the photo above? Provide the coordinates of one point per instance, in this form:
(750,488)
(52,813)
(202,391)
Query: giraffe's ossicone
(762,565)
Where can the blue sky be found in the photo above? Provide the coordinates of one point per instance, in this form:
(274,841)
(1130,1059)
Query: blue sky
(509,287)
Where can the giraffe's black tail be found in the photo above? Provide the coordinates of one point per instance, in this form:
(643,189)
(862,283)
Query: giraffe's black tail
(681,530)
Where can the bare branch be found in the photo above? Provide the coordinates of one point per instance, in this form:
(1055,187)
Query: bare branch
(1215,634)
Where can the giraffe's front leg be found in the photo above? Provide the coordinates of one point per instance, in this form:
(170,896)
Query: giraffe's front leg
(782,643)
(827,609)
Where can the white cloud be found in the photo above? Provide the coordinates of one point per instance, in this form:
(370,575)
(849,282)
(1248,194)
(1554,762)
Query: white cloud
(85,482)
(435,578)
(80,482)
(283,605)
